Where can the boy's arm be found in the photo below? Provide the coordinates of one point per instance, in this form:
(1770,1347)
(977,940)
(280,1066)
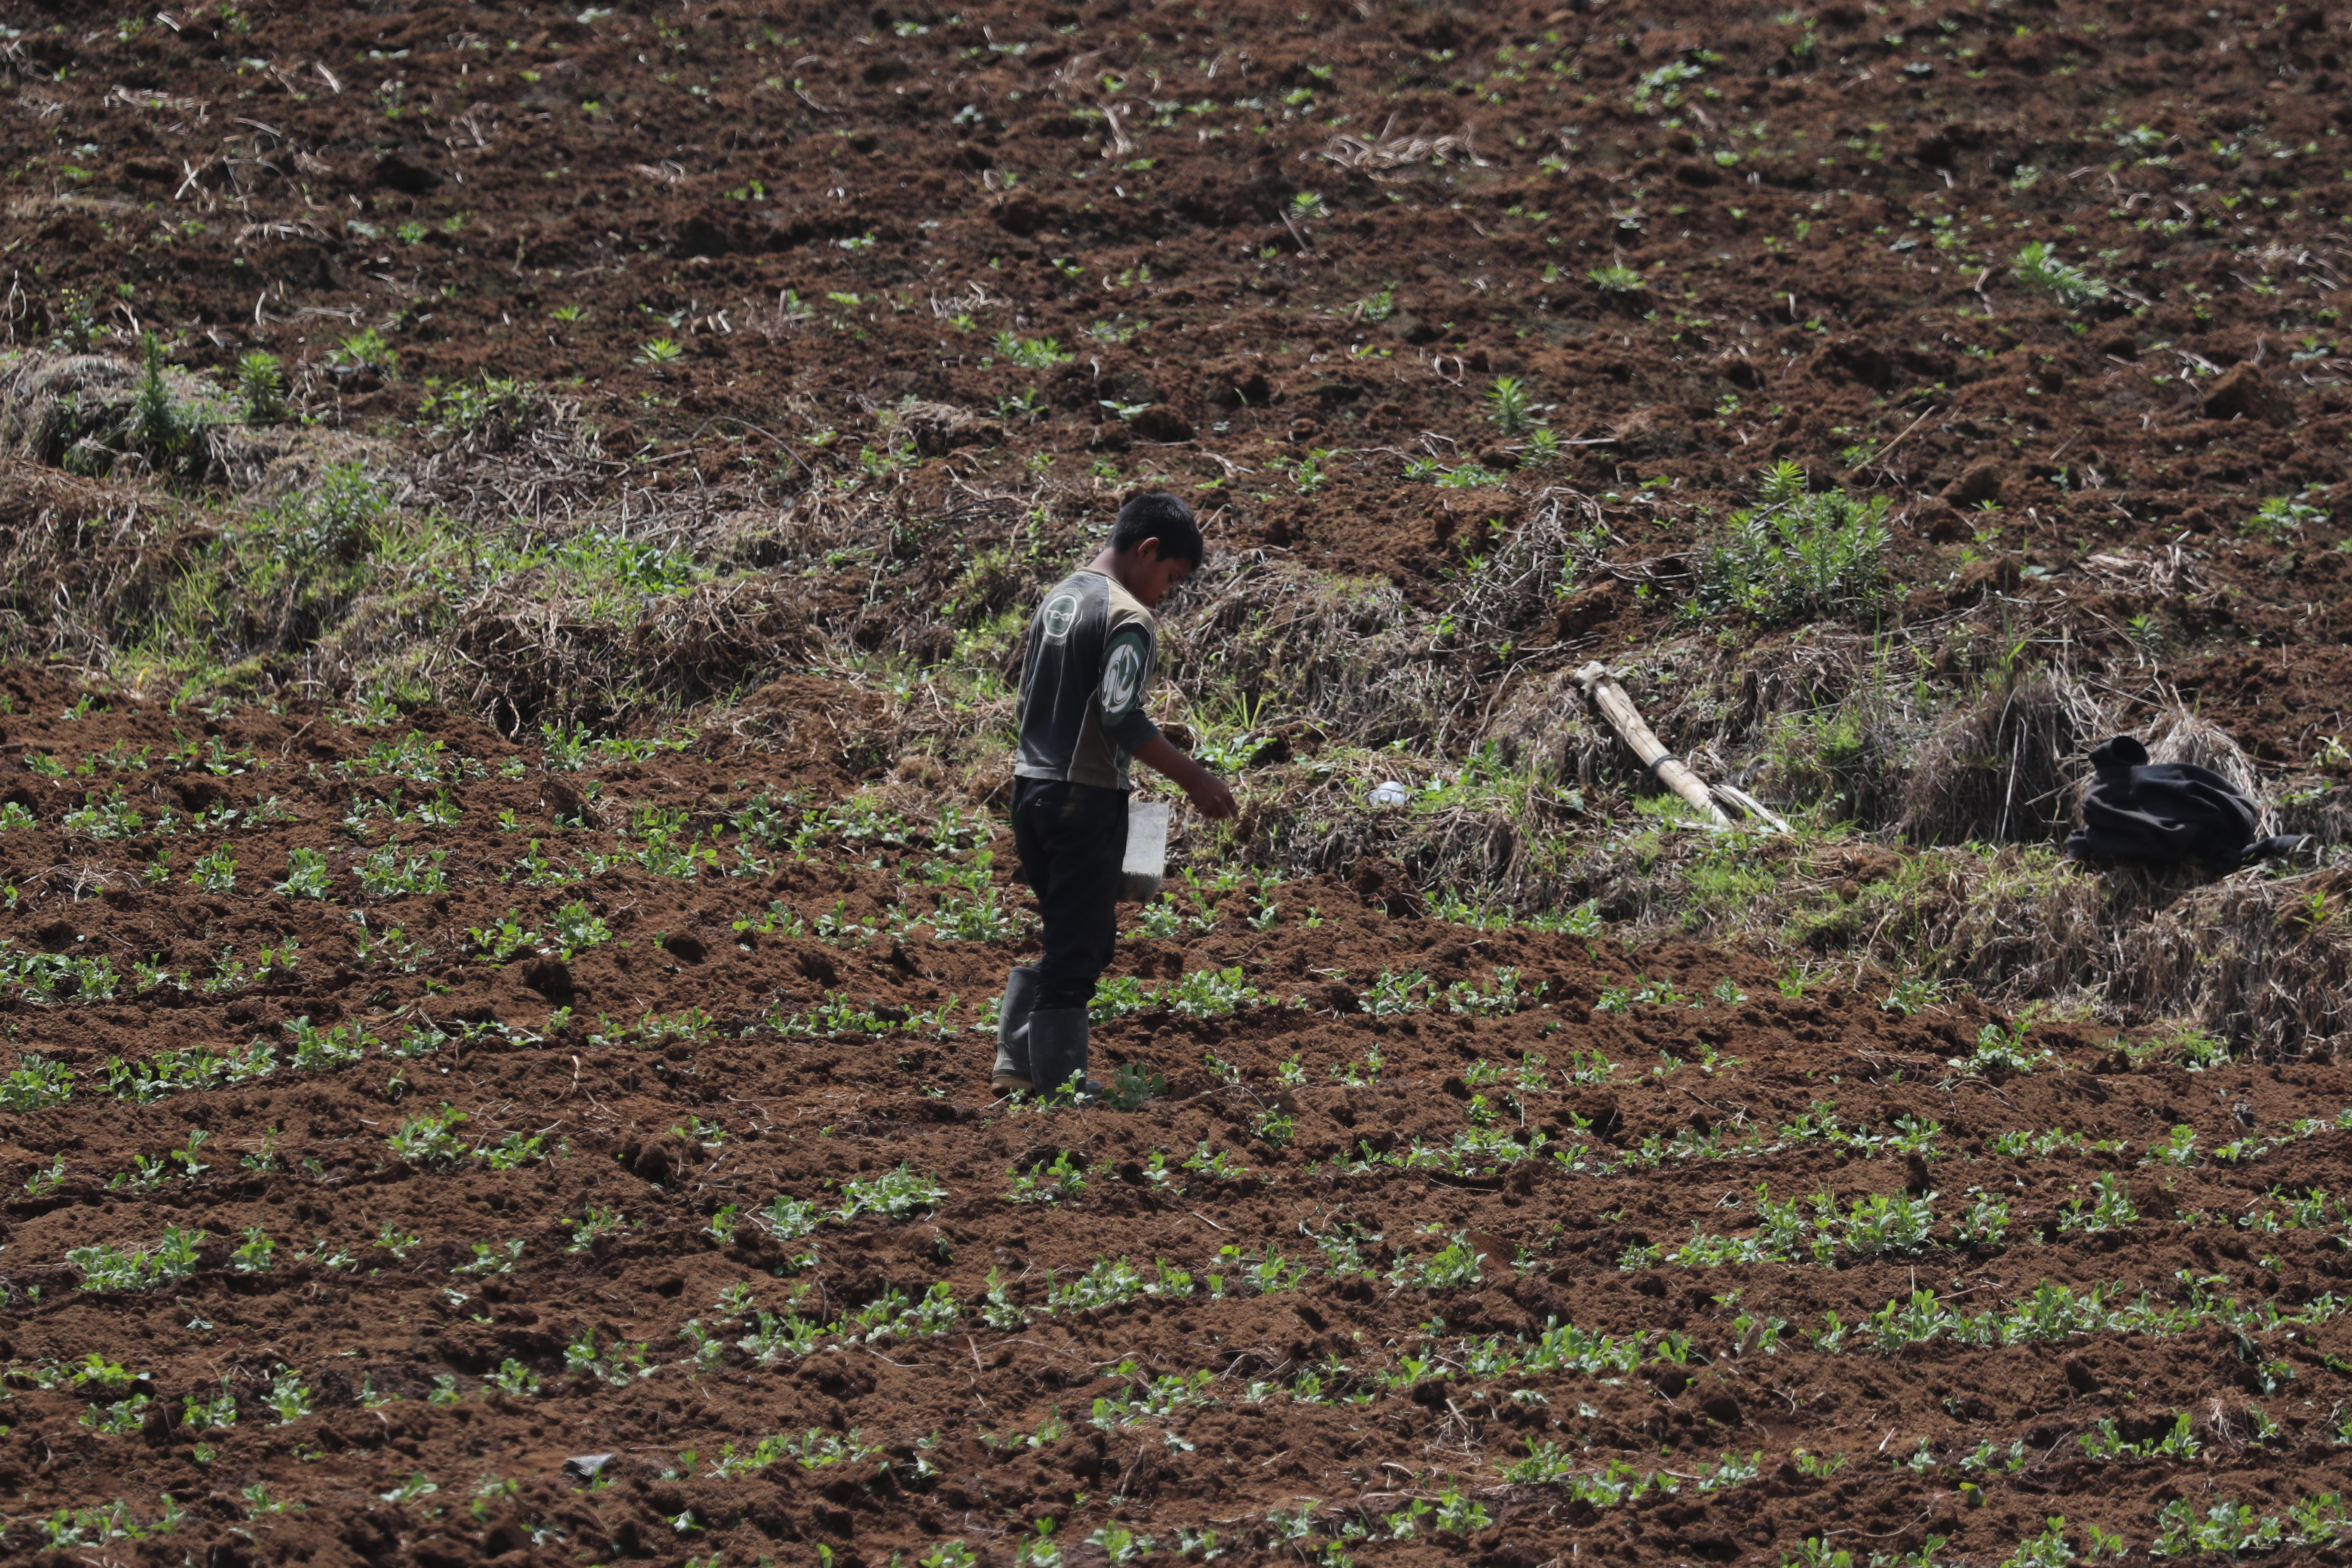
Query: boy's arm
(1126,664)
(1208,792)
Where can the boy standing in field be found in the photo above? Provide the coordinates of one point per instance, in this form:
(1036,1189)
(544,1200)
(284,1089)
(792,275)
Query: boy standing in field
(1090,656)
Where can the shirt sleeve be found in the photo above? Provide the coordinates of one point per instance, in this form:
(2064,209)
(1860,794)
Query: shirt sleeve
(1125,672)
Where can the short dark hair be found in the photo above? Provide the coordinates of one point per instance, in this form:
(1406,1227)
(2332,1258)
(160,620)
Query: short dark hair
(1161,516)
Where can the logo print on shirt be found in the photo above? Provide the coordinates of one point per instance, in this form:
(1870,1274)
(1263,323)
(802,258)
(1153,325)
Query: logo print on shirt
(1060,613)
(1122,684)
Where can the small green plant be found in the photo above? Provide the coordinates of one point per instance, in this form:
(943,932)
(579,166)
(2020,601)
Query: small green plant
(1130,1086)
(254,1254)
(306,876)
(1882,1225)
(289,1396)
(503,940)
(169,432)
(36,1084)
(2003,1050)
(1392,994)
(1222,1164)
(390,873)
(514,1378)
(898,1194)
(1061,1182)
(260,388)
(576,928)
(215,1414)
(366,351)
(2047,1550)
(1309,474)
(1462,1515)
(1030,353)
(2111,1208)
(494,410)
(1506,405)
(2281,518)
(108,1267)
(1984,1223)
(2038,270)
(1453,1267)
(657,352)
(214,872)
(1616,278)
(492,1260)
(430,1142)
(596,1223)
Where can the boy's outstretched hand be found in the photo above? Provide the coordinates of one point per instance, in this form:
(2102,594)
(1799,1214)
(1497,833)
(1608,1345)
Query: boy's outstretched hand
(1207,791)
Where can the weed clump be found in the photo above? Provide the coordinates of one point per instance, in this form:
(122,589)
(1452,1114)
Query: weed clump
(1797,554)
(490,414)
(331,520)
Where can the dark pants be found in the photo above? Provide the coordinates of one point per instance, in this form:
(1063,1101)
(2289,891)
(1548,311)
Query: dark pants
(1072,838)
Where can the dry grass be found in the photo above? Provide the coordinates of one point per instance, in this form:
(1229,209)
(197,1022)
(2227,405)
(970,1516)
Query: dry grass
(1350,656)
(264,465)
(86,562)
(2262,962)
(2008,770)
(1545,724)
(1376,155)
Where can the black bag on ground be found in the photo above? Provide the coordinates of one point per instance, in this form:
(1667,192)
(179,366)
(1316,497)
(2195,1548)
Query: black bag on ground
(2167,810)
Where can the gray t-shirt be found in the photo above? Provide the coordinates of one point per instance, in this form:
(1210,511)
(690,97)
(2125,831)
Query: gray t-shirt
(1091,658)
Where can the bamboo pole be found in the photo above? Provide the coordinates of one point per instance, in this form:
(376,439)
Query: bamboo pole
(1625,718)
(1753,808)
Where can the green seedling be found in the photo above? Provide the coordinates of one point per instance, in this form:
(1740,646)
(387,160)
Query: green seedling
(1062,1181)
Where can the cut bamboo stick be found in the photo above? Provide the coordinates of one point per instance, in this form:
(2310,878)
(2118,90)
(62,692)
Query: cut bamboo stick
(1753,808)
(1626,720)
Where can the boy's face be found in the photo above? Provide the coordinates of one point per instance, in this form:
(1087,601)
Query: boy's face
(1150,576)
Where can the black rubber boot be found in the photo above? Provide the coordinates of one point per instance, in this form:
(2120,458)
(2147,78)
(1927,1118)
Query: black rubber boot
(1012,1074)
(1057,1053)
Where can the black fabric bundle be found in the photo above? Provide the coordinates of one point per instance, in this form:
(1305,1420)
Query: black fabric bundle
(2167,810)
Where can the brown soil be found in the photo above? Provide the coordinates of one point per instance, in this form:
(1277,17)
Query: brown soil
(240,178)
(647,1113)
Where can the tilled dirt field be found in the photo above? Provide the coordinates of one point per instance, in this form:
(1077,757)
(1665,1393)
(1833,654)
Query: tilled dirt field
(1206,250)
(397,1114)
(325,1222)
